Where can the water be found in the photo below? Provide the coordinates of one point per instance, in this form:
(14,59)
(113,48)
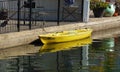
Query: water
(99,54)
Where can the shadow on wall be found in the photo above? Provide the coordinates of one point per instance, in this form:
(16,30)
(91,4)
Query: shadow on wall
(37,42)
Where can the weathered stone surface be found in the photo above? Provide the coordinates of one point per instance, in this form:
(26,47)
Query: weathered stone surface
(25,37)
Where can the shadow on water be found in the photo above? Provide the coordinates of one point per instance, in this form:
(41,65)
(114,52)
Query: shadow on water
(63,46)
(89,58)
(103,55)
(37,42)
(27,58)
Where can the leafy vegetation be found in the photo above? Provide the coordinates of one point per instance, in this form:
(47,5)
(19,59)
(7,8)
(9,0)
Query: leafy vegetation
(98,4)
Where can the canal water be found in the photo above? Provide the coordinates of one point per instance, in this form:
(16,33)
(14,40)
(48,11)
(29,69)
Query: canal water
(99,53)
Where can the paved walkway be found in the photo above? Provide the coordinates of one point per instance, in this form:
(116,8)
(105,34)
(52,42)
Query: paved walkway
(28,36)
(12,24)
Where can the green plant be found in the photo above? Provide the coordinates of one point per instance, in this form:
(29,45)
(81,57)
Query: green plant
(3,10)
(117,1)
(98,4)
(3,13)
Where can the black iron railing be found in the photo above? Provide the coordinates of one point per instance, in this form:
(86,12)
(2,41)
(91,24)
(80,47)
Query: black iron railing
(19,15)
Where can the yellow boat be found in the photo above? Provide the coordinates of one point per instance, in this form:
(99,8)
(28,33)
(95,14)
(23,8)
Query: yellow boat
(65,36)
(64,45)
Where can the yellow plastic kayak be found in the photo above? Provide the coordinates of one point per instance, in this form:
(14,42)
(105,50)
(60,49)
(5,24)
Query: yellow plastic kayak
(64,45)
(65,36)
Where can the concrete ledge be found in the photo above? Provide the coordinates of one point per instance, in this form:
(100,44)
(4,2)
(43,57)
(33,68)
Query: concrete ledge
(25,37)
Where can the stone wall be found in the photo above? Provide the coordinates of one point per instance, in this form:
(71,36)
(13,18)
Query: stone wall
(26,37)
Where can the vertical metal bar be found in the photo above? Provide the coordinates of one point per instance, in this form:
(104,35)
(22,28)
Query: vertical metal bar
(18,19)
(58,13)
(30,14)
(82,9)
(24,15)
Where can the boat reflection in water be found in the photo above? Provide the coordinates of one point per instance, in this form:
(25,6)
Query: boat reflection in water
(65,45)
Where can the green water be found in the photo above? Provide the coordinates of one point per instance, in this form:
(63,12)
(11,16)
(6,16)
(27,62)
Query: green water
(102,55)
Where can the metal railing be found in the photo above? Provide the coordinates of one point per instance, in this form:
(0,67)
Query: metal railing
(19,15)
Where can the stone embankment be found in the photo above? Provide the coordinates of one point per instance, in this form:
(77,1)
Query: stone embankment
(26,37)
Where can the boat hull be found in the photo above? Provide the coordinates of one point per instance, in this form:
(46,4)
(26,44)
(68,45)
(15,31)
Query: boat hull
(65,36)
(54,47)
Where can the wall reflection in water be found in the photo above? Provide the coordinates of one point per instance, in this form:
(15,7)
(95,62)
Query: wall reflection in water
(104,56)
(100,56)
(61,57)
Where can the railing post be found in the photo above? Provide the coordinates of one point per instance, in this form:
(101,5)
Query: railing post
(18,16)
(58,13)
(30,13)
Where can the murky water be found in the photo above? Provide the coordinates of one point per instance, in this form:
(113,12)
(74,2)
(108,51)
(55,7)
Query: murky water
(101,53)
